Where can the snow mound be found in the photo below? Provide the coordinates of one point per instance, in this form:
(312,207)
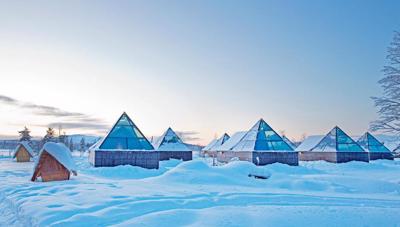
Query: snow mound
(126,171)
(199,172)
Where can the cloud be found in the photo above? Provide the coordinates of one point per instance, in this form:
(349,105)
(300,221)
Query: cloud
(8,100)
(68,119)
(188,136)
(41,110)
(50,111)
(97,128)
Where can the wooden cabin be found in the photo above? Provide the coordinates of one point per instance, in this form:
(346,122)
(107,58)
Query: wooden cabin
(55,163)
(23,152)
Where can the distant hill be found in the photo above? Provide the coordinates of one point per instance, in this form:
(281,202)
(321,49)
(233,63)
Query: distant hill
(10,144)
(76,138)
(194,147)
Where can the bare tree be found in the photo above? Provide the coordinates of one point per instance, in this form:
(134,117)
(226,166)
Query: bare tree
(388,104)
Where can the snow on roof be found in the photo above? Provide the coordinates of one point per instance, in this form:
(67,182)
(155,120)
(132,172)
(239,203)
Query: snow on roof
(26,145)
(61,153)
(210,145)
(96,145)
(309,143)
(231,142)
(170,141)
(216,143)
(261,137)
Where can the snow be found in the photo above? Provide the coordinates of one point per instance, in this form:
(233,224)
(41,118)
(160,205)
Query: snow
(309,143)
(61,153)
(216,143)
(231,142)
(196,194)
(27,147)
(210,145)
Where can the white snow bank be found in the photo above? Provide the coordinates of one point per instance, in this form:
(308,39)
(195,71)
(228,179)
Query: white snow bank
(194,193)
(128,171)
(200,173)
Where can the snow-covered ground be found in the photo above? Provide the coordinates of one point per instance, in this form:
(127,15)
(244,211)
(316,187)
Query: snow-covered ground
(197,194)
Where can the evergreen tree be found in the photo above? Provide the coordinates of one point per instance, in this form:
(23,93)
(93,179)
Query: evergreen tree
(49,137)
(82,147)
(25,135)
(63,139)
(71,145)
(66,141)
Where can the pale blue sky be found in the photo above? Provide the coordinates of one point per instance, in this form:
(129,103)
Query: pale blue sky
(201,66)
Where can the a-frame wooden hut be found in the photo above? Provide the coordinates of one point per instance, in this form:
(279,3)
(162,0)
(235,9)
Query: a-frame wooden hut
(23,152)
(55,163)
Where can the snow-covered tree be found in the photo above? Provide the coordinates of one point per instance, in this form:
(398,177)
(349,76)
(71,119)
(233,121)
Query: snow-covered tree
(82,147)
(49,137)
(63,139)
(71,145)
(388,104)
(25,135)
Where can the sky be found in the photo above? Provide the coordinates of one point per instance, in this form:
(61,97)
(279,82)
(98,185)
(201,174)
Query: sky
(200,67)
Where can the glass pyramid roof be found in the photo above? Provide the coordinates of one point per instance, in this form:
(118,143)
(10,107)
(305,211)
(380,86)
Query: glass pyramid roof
(170,141)
(216,143)
(289,142)
(125,136)
(337,141)
(370,143)
(261,137)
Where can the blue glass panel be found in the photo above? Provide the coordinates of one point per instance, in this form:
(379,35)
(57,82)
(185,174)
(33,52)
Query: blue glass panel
(268,139)
(124,135)
(271,135)
(114,143)
(375,145)
(345,143)
(261,135)
(280,145)
(264,126)
(261,145)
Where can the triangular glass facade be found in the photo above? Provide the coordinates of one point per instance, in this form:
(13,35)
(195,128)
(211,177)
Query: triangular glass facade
(267,139)
(370,143)
(337,140)
(170,137)
(125,136)
(289,142)
(224,138)
(217,142)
